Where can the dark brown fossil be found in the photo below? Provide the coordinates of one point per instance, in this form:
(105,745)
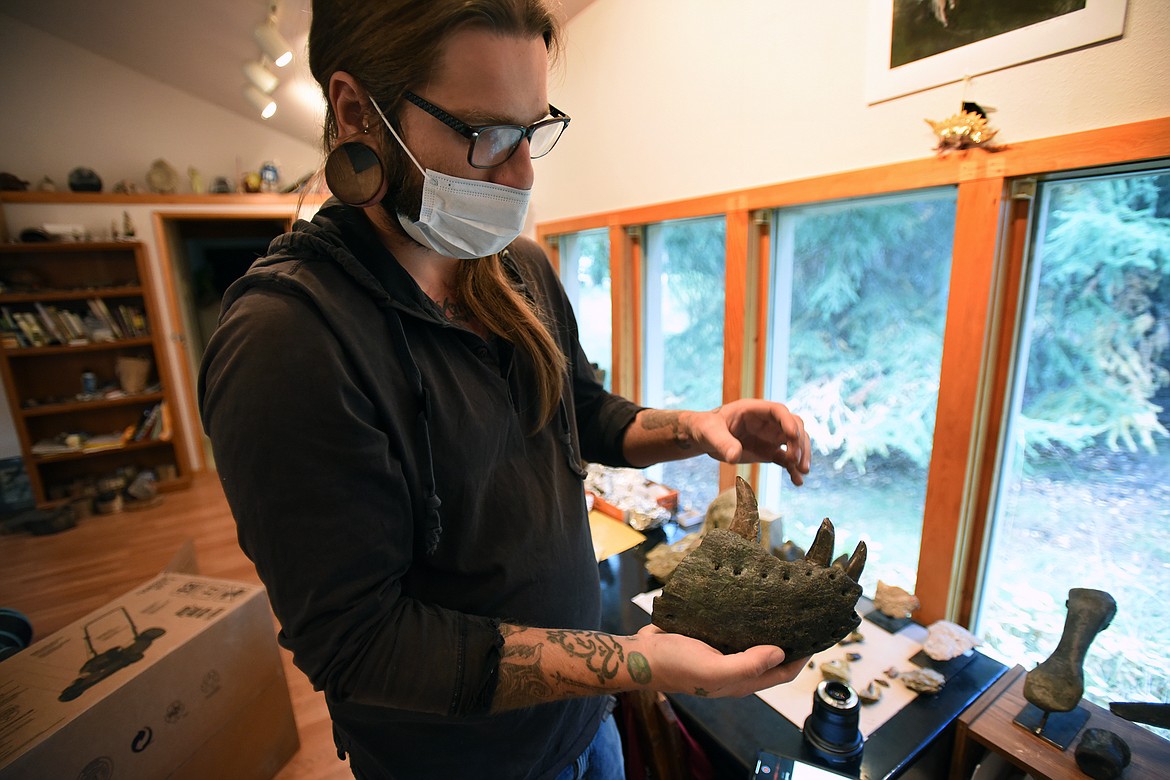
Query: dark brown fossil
(730,593)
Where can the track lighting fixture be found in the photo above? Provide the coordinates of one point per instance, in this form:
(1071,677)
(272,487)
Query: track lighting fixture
(272,43)
(263,103)
(261,77)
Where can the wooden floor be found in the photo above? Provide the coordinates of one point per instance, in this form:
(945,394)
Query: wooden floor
(57,579)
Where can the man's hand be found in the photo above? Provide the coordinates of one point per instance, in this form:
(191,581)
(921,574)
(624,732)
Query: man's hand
(539,665)
(745,431)
(753,431)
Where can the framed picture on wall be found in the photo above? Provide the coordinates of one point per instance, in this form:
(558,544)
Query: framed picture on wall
(919,44)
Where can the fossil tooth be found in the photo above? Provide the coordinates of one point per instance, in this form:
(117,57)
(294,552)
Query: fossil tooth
(821,551)
(746,521)
(732,594)
(856,562)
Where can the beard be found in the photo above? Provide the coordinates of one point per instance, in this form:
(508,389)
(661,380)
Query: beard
(404,189)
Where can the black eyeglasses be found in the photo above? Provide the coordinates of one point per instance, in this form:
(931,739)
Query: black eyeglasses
(493,145)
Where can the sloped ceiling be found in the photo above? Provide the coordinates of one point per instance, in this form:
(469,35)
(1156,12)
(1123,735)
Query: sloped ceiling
(198,47)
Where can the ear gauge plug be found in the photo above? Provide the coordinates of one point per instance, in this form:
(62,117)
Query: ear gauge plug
(355,173)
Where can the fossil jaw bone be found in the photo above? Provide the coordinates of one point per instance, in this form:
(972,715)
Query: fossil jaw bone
(730,593)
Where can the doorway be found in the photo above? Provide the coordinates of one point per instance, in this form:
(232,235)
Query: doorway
(203,254)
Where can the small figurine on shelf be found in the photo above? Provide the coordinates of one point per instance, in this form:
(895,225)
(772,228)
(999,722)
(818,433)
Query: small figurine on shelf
(269,177)
(162,177)
(10,182)
(127,226)
(196,179)
(251,181)
(84,180)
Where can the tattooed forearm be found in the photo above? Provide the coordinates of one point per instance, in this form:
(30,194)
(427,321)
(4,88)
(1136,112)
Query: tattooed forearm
(655,419)
(521,676)
(639,668)
(539,665)
(601,652)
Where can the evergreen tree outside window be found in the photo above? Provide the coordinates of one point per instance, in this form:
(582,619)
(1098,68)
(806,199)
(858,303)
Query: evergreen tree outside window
(1083,495)
(685,284)
(859,301)
(586,278)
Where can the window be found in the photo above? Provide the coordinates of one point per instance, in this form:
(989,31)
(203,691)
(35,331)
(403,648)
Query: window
(1083,495)
(858,310)
(685,270)
(585,276)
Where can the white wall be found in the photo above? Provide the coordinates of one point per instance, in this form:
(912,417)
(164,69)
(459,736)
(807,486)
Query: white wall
(669,100)
(62,107)
(673,99)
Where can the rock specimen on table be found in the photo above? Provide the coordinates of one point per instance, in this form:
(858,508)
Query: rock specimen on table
(1102,755)
(732,594)
(946,640)
(870,694)
(837,670)
(895,602)
(923,680)
(1057,684)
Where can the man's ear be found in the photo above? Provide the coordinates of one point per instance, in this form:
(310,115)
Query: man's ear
(349,104)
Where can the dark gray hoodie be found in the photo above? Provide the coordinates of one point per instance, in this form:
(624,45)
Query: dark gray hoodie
(385,480)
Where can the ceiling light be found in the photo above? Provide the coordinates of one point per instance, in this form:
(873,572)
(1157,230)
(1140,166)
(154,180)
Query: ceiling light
(272,43)
(263,103)
(261,77)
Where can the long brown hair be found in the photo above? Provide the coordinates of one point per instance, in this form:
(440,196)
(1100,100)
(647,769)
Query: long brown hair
(392,46)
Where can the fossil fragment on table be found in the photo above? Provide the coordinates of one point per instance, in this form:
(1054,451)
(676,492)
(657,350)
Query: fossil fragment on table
(946,640)
(732,594)
(894,602)
(837,670)
(870,694)
(923,680)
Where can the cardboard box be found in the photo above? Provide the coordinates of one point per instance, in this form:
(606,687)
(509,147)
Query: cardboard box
(179,678)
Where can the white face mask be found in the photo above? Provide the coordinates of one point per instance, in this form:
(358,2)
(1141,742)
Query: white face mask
(463,218)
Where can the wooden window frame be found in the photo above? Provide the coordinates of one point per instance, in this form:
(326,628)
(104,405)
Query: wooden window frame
(982,314)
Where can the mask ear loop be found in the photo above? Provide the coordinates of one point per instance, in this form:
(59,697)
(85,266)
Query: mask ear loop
(355,173)
(397,137)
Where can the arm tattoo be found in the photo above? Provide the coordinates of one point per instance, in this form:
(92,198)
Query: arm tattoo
(657,418)
(523,678)
(521,673)
(639,668)
(601,652)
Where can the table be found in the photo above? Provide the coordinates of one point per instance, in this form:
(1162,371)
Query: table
(733,730)
(988,724)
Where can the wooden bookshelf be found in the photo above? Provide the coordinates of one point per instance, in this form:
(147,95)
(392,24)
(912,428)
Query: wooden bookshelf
(94,306)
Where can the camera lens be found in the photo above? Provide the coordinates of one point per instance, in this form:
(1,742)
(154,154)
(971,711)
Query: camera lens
(839,693)
(832,729)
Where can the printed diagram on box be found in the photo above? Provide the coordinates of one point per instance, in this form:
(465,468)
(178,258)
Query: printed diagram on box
(103,663)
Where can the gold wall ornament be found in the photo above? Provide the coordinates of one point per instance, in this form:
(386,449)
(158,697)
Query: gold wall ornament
(964,130)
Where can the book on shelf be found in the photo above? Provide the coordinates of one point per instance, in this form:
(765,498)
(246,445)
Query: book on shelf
(51,323)
(103,441)
(56,445)
(132,321)
(31,329)
(12,336)
(148,424)
(99,309)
